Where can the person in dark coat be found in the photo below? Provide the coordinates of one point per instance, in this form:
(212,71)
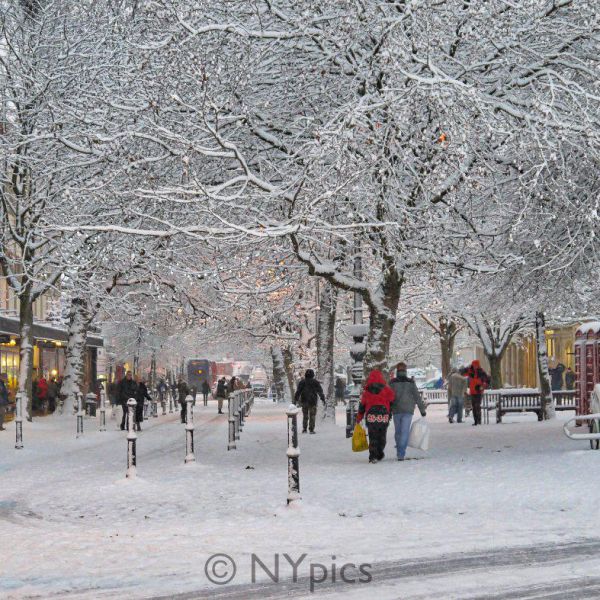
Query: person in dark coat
(52,395)
(141,396)
(556,376)
(570,379)
(205,391)
(127,388)
(479,381)
(340,390)
(222,393)
(182,393)
(375,404)
(307,394)
(3,399)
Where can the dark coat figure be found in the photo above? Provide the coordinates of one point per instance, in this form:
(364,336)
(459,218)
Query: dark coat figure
(375,404)
(556,376)
(52,395)
(479,381)
(307,394)
(161,388)
(126,389)
(232,384)
(205,391)
(3,401)
(222,393)
(140,396)
(182,392)
(570,379)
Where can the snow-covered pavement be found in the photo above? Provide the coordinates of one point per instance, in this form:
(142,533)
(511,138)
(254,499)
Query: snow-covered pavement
(72,526)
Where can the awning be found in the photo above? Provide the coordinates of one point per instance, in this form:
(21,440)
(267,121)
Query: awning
(45,332)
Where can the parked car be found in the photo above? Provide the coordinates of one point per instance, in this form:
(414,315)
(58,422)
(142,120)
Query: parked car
(259,388)
(433,384)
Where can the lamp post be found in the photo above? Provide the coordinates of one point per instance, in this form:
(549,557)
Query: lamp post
(358,331)
(189,430)
(131,440)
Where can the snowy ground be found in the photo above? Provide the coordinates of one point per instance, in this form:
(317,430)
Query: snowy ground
(449,525)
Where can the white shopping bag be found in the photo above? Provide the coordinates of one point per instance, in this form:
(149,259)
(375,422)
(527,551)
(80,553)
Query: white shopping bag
(419,435)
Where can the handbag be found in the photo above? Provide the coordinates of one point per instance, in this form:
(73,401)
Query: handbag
(359,439)
(419,435)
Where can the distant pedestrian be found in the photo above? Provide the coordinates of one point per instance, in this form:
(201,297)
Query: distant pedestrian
(161,389)
(375,406)
(182,393)
(52,395)
(232,385)
(205,391)
(3,399)
(127,389)
(141,396)
(42,393)
(479,381)
(340,390)
(570,379)
(406,397)
(457,388)
(222,394)
(556,377)
(308,392)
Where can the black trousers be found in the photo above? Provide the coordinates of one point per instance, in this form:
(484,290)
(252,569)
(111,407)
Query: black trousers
(124,418)
(377,440)
(476,402)
(308,417)
(183,412)
(205,397)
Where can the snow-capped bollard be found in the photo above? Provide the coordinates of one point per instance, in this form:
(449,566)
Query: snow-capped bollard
(236,414)
(131,440)
(146,405)
(79,414)
(189,430)
(102,411)
(293,454)
(19,423)
(242,414)
(163,403)
(154,409)
(231,419)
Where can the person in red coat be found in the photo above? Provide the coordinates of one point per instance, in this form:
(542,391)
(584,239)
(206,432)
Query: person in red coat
(479,381)
(375,403)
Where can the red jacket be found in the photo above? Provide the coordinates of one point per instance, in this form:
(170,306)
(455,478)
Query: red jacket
(42,390)
(478,379)
(376,393)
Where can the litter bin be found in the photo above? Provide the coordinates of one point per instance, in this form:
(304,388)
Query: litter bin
(90,405)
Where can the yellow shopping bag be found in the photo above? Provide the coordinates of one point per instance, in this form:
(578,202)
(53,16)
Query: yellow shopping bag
(359,439)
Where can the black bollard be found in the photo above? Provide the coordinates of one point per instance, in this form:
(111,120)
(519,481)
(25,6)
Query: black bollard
(170,401)
(79,414)
(19,422)
(189,430)
(131,440)
(102,411)
(236,414)
(293,454)
(231,444)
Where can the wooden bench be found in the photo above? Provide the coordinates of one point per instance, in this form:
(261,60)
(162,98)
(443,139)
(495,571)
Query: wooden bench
(518,402)
(565,400)
(434,396)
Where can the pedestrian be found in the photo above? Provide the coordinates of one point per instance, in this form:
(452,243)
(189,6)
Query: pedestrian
(141,395)
(205,391)
(570,379)
(308,392)
(457,387)
(3,399)
(222,393)
(340,390)
(52,395)
(406,397)
(182,393)
(126,389)
(479,381)
(375,406)
(42,393)
(232,386)
(161,389)
(556,376)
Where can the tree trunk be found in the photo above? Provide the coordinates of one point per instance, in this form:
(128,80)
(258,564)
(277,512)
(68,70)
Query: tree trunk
(26,349)
(280,378)
(495,371)
(448,331)
(288,366)
(325,344)
(548,411)
(75,352)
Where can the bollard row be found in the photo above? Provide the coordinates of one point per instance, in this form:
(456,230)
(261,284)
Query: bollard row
(239,407)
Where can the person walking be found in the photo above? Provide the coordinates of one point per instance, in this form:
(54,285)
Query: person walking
(161,389)
(340,390)
(232,385)
(308,392)
(205,391)
(52,395)
(570,379)
(141,395)
(182,393)
(3,399)
(42,393)
(375,406)
(479,381)
(457,388)
(127,389)
(406,397)
(222,394)
(556,377)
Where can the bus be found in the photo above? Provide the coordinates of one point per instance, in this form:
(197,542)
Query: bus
(198,370)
